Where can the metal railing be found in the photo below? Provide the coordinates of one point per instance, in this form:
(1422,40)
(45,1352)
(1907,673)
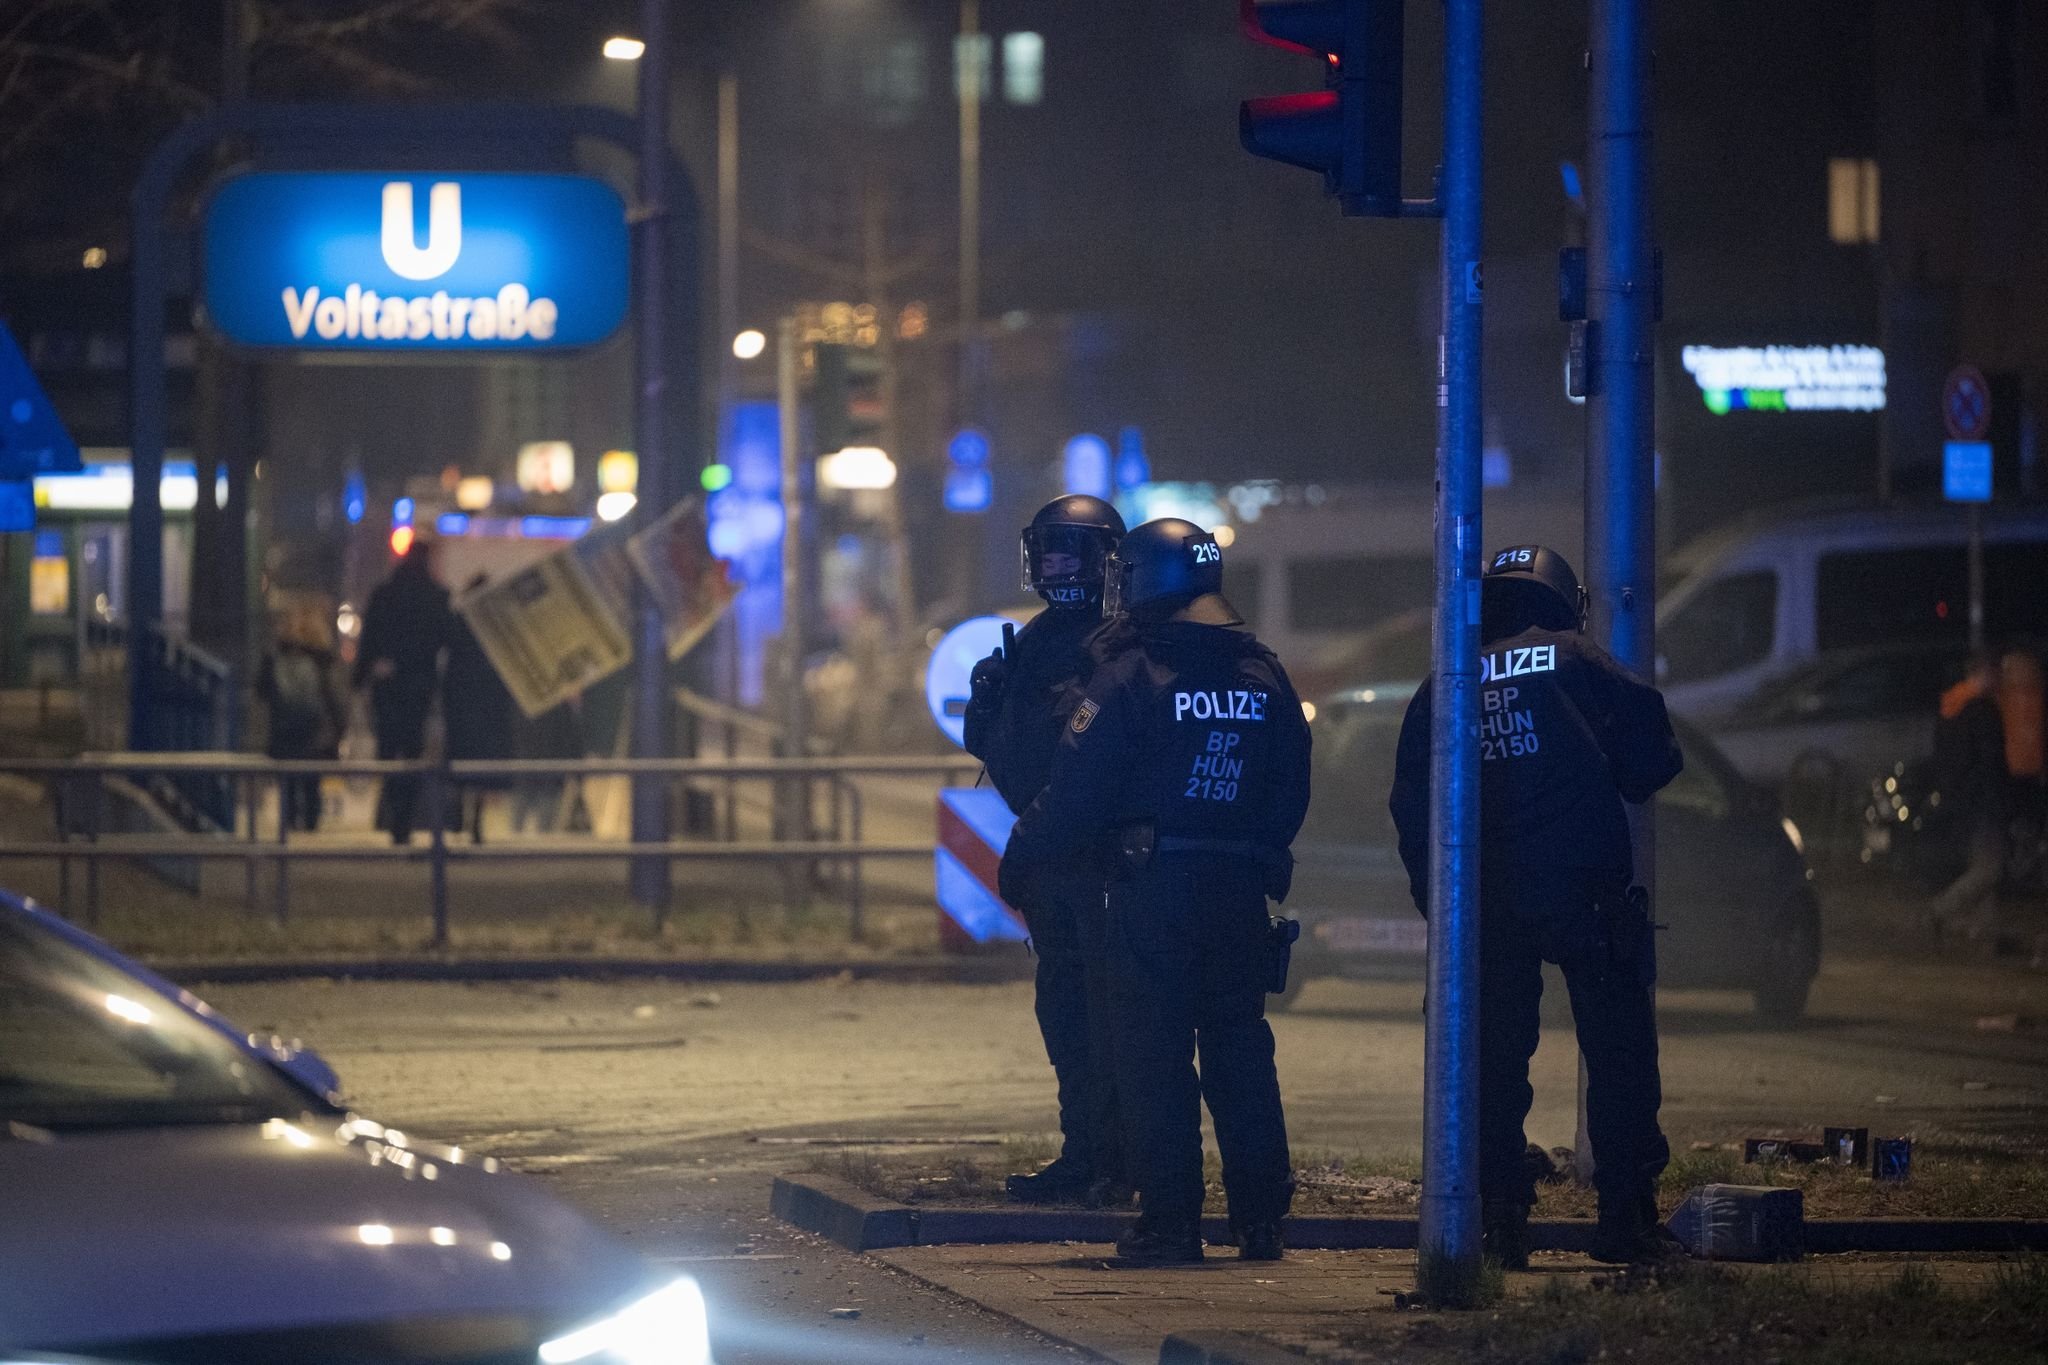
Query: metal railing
(79,791)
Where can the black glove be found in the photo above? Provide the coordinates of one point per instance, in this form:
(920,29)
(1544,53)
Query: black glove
(986,683)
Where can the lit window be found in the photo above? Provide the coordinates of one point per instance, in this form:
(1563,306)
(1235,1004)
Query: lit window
(1023,68)
(49,576)
(893,77)
(973,58)
(1852,200)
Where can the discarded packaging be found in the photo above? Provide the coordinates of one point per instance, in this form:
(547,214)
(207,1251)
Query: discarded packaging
(1891,1159)
(1847,1146)
(1782,1149)
(1742,1223)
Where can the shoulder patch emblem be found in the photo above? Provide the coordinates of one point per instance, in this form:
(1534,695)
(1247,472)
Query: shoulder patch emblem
(1084,715)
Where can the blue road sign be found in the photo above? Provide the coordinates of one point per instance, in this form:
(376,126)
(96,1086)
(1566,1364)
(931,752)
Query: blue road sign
(1966,471)
(32,436)
(968,449)
(17,505)
(952,667)
(1132,466)
(1086,466)
(410,262)
(969,490)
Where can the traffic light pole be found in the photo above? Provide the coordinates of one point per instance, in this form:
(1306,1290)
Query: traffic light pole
(1448,1248)
(1621,294)
(652,714)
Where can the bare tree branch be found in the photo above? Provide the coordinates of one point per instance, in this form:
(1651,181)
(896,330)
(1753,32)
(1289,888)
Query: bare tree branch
(133,71)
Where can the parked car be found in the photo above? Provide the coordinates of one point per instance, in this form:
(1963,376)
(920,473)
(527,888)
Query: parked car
(1733,889)
(1770,594)
(172,1189)
(1856,712)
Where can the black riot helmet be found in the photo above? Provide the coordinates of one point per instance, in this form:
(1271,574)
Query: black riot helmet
(1528,587)
(1077,526)
(1163,566)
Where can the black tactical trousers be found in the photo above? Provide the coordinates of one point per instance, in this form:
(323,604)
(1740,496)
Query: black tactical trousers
(1187,972)
(1608,957)
(1068,929)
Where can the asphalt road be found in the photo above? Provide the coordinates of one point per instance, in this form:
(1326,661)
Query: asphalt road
(666,1109)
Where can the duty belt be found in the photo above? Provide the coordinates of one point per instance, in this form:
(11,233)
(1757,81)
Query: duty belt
(1237,848)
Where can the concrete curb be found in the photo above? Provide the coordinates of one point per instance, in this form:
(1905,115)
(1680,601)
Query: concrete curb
(859,1221)
(966,971)
(1222,1348)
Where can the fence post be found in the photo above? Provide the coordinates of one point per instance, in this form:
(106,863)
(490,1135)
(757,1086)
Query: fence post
(95,792)
(249,864)
(284,865)
(856,865)
(437,847)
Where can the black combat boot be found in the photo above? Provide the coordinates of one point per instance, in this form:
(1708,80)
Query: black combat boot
(1504,1234)
(1062,1181)
(1161,1241)
(1260,1241)
(1629,1232)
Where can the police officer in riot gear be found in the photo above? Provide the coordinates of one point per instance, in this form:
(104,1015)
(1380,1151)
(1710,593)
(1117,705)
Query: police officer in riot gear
(1187,763)
(1020,700)
(1566,735)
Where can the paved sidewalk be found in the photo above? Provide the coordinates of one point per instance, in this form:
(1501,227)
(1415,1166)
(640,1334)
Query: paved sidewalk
(1071,1292)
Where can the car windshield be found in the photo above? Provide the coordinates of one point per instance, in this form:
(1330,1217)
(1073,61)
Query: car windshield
(83,1045)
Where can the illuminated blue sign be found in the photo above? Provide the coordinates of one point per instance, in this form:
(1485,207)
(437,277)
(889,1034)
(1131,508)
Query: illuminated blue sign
(416,262)
(968,449)
(1086,466)
(1966,471)
(951,670)
(969,490)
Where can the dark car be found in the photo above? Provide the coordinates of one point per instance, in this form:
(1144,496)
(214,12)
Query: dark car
(1733,889)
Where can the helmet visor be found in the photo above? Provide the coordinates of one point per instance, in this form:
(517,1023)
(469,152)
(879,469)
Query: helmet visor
(1064,559)
(1116,587)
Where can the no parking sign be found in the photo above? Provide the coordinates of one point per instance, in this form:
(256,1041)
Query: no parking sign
(947,680)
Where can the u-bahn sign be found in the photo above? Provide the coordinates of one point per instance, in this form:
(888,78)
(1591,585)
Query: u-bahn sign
(391,262)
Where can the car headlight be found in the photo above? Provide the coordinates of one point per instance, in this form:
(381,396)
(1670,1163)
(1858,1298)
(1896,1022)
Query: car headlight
(1792,833)
(668,1327)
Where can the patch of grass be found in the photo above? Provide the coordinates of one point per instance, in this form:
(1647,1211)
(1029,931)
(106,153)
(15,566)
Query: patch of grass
(938,1175)
(1947,1182)
(1442,1283)
(1707,1315)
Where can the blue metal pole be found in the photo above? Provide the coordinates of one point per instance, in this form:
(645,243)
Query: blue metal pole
(1620,306)
(1449,1237)
(144,587)
(1621,293)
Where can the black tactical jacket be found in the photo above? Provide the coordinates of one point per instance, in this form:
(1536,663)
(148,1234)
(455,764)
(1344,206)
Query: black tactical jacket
(1565,736)
(1191,728)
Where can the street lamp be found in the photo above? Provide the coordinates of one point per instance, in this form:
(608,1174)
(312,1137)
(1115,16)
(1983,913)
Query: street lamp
(622,49)
(749,344)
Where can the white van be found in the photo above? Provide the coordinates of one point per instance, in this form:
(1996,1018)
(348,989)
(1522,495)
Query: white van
(1770,592)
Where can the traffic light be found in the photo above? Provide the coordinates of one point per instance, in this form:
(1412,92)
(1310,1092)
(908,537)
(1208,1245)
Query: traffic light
(1351,129)
(848,407)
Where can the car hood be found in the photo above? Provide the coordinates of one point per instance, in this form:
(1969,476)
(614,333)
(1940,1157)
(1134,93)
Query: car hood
(162,1233)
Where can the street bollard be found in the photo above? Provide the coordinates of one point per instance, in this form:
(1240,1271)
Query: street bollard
(437,848)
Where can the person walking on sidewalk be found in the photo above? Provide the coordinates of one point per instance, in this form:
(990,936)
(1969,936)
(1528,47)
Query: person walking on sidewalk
(405,630)
(1566,736)
(305,706)
(1970,766)
(1021,699)
(481,715)
(1188,756)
